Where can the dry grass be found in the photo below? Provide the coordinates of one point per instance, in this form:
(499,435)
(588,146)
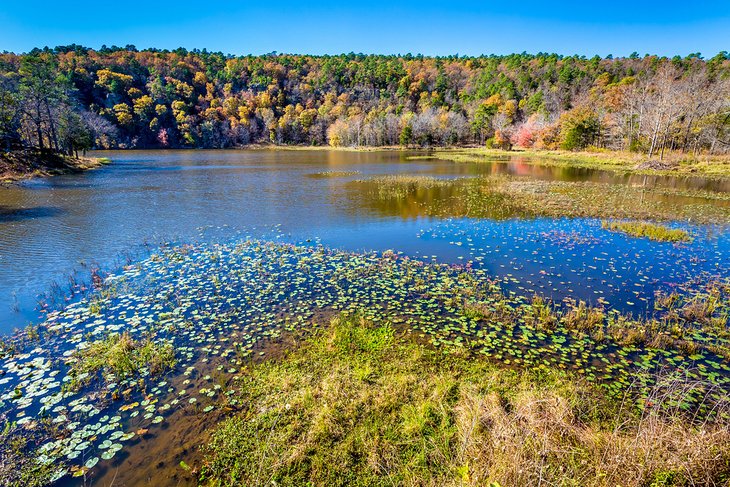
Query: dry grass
(355,405)
(19,165)
(674,163)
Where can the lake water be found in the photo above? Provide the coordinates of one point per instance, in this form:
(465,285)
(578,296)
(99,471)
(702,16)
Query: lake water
(51,228)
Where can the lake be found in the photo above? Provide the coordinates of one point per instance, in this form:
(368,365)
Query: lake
(218,257)
(54,230)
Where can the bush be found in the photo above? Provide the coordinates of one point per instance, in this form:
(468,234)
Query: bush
(579,128)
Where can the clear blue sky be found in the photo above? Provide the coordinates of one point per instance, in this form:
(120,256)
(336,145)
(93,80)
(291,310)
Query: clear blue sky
(430,27)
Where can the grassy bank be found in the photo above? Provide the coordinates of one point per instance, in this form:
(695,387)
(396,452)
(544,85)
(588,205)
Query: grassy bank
(356,404)
(19,165)
(675,164)
(552,392)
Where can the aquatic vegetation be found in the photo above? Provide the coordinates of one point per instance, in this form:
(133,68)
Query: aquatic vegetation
(122,356)
(333,174)
(359,404)
(561,259)
(401,185)
(501,196)
(18,465)
(652,231)
(218,306)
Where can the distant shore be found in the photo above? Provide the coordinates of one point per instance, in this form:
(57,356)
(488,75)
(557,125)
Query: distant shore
(673,164)
(16,166)
(20,165)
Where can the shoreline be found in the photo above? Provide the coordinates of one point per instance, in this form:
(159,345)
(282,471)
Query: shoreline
(20,166)
(674,164)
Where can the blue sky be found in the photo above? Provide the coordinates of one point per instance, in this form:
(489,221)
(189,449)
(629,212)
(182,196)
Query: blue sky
(443,27)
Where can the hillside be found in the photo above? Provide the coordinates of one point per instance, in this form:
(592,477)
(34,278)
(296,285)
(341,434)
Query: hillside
(126,98)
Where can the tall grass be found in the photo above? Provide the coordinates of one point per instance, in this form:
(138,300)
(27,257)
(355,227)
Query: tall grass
(357,405)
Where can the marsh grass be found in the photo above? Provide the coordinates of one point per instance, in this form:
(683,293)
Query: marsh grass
(501,196)
(357,404)
(400,186)
(689,322)
(332,174)
(121,355)
(18,465)
(652,231)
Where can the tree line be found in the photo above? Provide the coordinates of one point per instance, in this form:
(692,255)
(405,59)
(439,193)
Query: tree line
(72,98)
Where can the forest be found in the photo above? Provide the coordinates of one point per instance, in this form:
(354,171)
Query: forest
(71,98)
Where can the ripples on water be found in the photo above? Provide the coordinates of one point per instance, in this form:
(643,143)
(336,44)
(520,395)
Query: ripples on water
(50,228)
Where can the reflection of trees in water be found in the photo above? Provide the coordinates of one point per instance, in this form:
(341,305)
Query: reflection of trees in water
(10,214)
(500,197)
(422,197)
(545,169)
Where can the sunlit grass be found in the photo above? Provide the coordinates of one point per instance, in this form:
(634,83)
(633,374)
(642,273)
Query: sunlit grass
(121,355)
(714,166)
(501,196)
(356,404)
(652,231)
(332,174)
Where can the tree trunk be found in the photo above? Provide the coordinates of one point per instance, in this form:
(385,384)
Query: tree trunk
(655,135)
(39,133)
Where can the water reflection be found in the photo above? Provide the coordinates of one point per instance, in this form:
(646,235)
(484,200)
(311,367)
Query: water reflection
(18,214)
(526,166)
(49,227)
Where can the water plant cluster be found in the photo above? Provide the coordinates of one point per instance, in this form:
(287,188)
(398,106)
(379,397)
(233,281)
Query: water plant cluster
(659,233)
(502,196)
(577,259)
(175,331)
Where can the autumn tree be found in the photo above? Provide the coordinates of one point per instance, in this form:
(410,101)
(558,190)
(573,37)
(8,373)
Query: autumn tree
(181,98)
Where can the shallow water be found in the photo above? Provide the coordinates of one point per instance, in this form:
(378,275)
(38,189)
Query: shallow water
(218,306)
(52,228)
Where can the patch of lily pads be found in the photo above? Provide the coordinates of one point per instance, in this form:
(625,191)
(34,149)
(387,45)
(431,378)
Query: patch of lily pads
(217,304)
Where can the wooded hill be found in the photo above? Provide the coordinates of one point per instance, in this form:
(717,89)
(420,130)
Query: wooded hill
(72,98)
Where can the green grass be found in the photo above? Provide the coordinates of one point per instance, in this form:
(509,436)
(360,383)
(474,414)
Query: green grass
(652,231)
(122,356)
(356,404)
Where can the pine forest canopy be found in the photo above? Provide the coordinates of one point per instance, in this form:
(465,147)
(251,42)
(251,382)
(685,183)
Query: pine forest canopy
(73,98)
